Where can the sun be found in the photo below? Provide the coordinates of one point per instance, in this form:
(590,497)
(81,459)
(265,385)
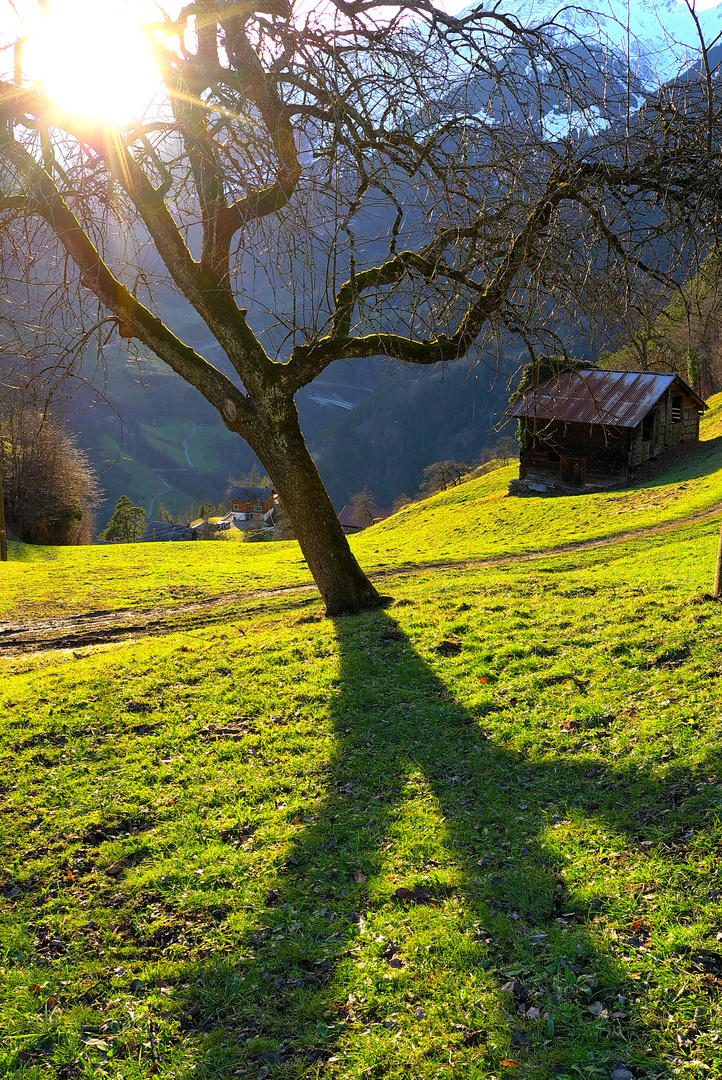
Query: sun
(93,58)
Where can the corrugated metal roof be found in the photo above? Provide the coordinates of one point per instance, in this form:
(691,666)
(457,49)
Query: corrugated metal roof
(250,494)
(616,398)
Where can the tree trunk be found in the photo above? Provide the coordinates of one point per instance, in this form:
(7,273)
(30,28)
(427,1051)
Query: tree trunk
(281,449)
(3,535)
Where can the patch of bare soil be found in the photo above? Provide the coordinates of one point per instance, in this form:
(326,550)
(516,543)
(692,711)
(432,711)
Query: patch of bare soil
(122,624)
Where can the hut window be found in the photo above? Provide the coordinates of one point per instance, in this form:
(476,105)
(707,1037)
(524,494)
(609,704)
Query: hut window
(648,427)
(552,455)
(676,409)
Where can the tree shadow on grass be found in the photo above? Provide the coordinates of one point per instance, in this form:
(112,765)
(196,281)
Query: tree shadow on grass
(689,461)
(420,800)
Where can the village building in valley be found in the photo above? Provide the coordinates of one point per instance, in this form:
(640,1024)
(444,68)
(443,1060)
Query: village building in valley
(251,504)
(250,508)
(593,429)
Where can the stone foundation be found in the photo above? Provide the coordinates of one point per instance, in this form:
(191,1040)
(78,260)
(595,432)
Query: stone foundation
(544,489)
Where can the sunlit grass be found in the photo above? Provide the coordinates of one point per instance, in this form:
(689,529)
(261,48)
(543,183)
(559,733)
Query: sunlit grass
(498,738)
(474,521)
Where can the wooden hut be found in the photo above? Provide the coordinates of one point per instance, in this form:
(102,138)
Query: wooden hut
(593,429)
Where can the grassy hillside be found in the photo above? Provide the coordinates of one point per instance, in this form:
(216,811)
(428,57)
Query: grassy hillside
(476,520)
(473,521)
(475,835)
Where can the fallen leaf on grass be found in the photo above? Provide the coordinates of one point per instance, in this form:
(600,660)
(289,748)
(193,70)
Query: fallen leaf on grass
(520,992)
(706,961)
(621,1072)
(138,706)
(509,1063)
(360,877)
(687,1039)
(597,1008)
(557,896)
(115,868)
(557,680)
(519,1038)
(390,950)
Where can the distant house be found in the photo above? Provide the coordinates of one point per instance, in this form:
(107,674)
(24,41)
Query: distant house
(251,504)
(593,429)
(165,531)
(203,528)
(349,518)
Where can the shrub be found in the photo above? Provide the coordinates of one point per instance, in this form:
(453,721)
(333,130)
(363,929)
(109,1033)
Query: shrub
(50,487)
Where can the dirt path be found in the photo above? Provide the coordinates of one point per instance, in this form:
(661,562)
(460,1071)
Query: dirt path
(122,624)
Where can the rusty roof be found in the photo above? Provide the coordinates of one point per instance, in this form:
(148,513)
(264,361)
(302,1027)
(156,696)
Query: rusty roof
(594,396)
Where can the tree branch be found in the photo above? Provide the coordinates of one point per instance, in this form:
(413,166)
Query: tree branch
(134,319)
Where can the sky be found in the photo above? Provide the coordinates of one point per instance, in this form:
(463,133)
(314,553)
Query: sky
(664,30)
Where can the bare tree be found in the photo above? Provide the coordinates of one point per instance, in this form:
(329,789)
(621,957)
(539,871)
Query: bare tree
(364,507)
(441,475)
(506,449)
(355,180)
(672,329)
(50,489)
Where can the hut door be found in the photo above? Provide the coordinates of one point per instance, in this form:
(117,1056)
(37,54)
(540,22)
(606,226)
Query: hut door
(572,469)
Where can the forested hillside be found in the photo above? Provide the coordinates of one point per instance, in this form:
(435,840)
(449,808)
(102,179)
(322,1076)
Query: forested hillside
(685,336)
(365,426)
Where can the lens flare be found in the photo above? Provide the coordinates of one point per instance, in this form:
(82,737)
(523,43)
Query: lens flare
(93,58)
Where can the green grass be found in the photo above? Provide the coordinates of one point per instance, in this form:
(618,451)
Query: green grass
(43,582)
(128,473)
(535,746)
(477,520)
(210,448)
(165,436)
(473,521)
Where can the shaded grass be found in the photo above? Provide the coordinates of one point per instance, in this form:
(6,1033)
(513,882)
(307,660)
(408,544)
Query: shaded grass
(535,747)
(128,473)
